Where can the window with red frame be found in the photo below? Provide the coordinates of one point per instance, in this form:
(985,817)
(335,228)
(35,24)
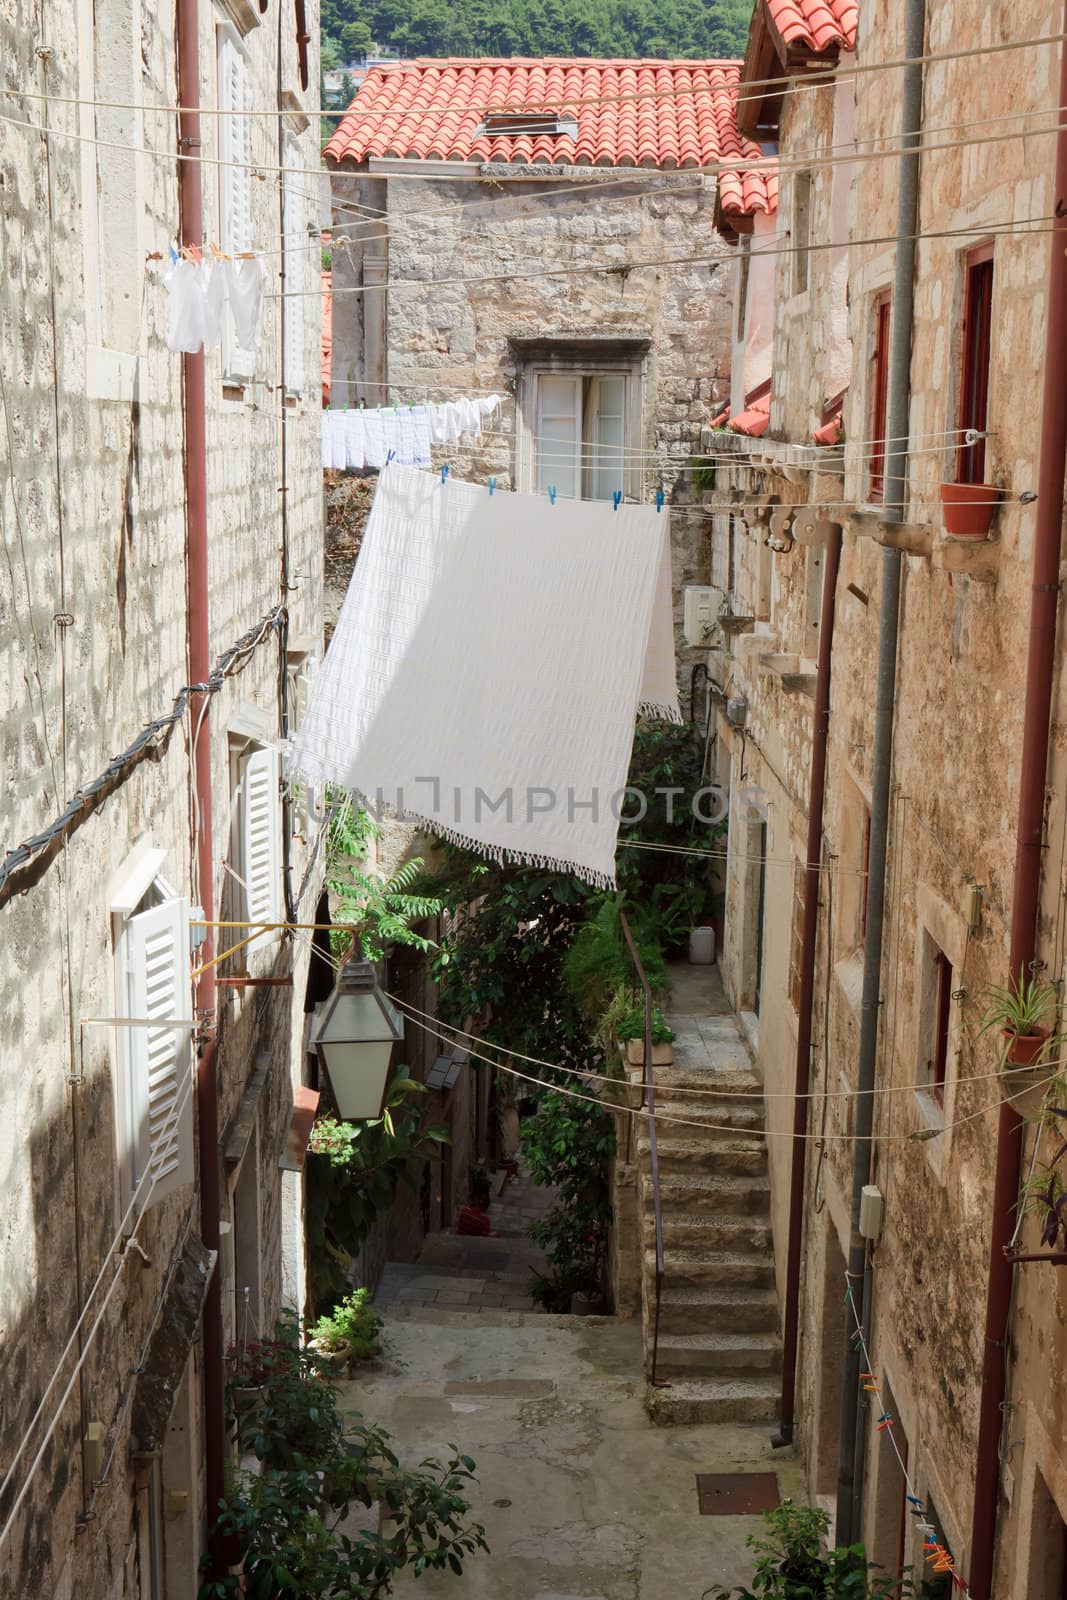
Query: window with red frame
(879,393)
(938,1064)
(974,371)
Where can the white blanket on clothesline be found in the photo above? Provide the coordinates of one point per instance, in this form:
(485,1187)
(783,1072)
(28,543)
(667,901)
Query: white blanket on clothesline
(490,658)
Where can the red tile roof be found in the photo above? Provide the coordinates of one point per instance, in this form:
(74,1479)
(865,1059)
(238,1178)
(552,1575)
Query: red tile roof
(656,114)
(816,24)
(327,335)
(755,420)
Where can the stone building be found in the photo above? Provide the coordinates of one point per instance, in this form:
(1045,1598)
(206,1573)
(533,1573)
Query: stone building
(790,490)
(563,255)
(116,1310)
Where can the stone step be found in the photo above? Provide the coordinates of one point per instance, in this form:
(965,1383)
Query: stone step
(712,1110)
(705,1309)
(714,1268)
(714,1355)
(700,1231)
(718,1193)
(715,1400)
(678,1079)
(714,1153)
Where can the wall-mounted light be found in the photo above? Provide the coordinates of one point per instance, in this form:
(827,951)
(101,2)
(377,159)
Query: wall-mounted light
(355,1042)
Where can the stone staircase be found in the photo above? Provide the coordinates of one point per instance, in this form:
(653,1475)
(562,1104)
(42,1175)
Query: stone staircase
(719,1350)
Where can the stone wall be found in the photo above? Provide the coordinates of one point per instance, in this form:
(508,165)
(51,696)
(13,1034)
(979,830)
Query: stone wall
(454,337)
(93,646)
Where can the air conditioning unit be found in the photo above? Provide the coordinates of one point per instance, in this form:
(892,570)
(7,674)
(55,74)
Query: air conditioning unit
(701,615)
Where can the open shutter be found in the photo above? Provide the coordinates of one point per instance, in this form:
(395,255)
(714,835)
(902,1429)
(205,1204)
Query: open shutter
(607,433)
(557,448)
(295,247)
(261,839)
(157,944)
(235,181)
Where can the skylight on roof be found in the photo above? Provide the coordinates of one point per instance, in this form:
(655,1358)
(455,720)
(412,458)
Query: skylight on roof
(528,124)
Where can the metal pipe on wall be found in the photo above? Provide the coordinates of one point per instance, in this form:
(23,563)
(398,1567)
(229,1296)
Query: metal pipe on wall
(809,936)
(852,1441)
(1040,671)
(195,433)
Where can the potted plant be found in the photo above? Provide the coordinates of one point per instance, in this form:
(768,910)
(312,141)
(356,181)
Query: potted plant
(969,508)
(631,1033)
(351,1332)
(1023,1015)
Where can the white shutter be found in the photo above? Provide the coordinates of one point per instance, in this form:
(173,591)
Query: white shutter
(157,953)
(261,840)
(607,428)
(557,448)
(295,247)
(235,180)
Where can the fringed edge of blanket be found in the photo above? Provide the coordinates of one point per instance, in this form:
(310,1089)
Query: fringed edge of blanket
(651,708)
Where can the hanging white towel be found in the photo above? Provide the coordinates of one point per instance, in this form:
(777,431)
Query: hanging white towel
(420,421)
(490,656)
(405,451)
(244,291)
(340,440)
(185,332)
(373,439)
(327,438)
(439,424)
(355,451)
(212,281)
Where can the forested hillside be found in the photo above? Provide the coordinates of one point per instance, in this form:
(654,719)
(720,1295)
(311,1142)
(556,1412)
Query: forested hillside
(536,27)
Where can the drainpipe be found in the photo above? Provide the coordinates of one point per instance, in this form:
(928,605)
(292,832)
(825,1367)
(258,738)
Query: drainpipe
(809,936)
(853,1436)
(195,430)
(1040,668)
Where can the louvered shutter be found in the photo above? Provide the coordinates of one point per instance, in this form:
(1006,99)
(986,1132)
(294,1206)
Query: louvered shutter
(235,181)
(295,247)
(261,839)
(157,950)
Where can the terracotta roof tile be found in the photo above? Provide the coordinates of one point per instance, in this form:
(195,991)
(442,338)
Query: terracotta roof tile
(817,24)
(327,335)
(682,114)
(755,421)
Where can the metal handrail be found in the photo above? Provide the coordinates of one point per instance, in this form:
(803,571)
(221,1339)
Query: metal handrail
(649,1092)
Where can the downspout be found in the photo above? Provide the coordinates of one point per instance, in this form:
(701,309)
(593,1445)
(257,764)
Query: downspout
(1040,669)
(809,935)
(195,431)
(853,1436)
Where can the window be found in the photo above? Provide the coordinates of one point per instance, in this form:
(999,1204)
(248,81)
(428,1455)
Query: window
(153,1074)
(935,1018)
(796,943)
(937,1585)
(255,835)
(235,180)
(878,395)
(580,433)
(1045,1579)
(974,369)
(801,238)
(528,124)
(295,247)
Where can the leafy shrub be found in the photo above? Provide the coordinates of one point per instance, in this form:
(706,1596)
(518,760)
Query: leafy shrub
(354,1322)
(632,1026)
(795,1564)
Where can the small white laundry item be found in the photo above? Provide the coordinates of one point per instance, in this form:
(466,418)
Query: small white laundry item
(488,406)
(244,291)
(405,453)
(567,631)
(439,424)
(185,332)
(470,418)
(340,442)
(420,422)
(453,419)
(373,439)
(390,434)
(213,288)
(327,438)
(355,440)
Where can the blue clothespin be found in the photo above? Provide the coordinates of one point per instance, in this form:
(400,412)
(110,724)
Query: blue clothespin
(390,457)
(492,485)
(173,255)
(914,1500)
(444,474)
(616,498)
(552,493)
(660,497)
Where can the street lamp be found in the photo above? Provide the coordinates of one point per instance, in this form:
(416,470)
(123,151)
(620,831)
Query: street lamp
(355,1042)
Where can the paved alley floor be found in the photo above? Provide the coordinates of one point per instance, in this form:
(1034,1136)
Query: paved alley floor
(582,1498)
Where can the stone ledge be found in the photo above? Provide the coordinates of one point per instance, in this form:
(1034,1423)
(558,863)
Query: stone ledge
(972,558)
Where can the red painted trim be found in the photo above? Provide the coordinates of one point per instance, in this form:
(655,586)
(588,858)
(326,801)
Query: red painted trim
(973,408)
(879,396)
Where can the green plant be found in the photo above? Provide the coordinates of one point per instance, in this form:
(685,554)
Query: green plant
(1023,1010)
(353,1172)
(568,1145)
(355,1323)
(703,473)
(632,1026)
(793,1563)
(282,1523)
(382,912)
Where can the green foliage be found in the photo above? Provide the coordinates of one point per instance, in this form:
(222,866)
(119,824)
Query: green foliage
(282,1522)
(568,1145)
(599,965)
(705,28)
(632,1026)
(794,1564)
(703,474)
(381,911)
(353,1172)
(355,1323)
(1024,1009)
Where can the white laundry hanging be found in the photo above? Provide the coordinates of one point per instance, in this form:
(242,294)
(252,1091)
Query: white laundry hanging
(408,432)
(490,657)
(199,293)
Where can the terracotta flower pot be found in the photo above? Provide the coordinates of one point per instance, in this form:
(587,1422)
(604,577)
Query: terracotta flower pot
(1023,1049)
(969,508)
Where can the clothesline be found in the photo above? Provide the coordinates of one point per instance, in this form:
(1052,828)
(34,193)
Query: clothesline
(200,291)
(373,436)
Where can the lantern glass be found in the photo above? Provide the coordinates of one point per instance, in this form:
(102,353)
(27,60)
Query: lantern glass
(355,1043)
